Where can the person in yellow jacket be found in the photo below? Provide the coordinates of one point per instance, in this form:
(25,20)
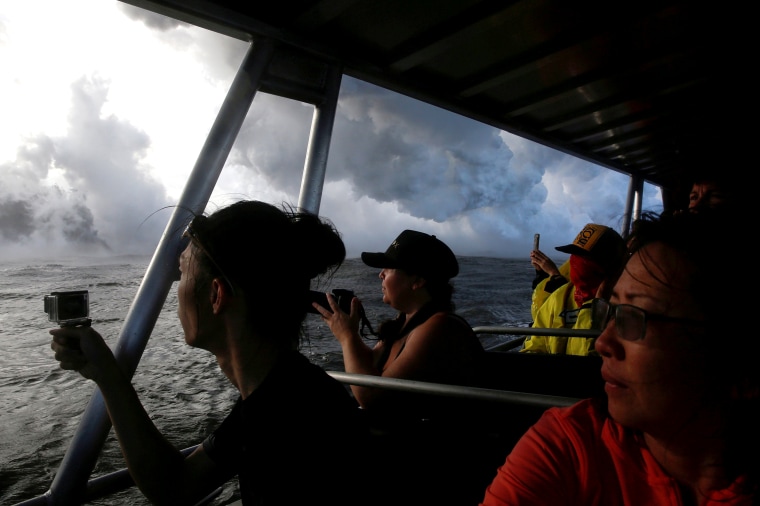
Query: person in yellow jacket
(548,278)
(596,255)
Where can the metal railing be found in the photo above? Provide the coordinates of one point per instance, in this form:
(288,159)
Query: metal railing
(524,332)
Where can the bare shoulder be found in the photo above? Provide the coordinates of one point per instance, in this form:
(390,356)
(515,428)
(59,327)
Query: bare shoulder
(448,322)
(449,334)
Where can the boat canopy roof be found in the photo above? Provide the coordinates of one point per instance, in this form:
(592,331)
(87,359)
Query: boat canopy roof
(635,86)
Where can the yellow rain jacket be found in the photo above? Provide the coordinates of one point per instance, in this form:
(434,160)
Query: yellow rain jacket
(540,295)
(560,311)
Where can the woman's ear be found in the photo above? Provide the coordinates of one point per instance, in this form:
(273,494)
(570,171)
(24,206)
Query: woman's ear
(418,282)
(219,296)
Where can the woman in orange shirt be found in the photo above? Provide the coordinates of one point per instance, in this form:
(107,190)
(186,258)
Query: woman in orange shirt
(678,424)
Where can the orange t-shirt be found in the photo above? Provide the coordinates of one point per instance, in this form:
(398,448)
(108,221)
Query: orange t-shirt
(579,456)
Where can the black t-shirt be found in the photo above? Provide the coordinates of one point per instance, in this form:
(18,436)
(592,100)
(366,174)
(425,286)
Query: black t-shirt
(297,439)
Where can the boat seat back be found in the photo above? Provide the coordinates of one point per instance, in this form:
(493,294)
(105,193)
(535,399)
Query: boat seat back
(544,373)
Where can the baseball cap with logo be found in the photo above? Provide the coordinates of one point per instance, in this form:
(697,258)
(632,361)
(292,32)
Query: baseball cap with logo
(597,242)
(416,253)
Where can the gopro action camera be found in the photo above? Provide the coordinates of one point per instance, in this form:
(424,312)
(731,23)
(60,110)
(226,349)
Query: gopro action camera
(68,308)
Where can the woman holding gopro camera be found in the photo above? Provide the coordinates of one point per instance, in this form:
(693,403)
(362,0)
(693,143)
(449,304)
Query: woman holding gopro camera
(293,435)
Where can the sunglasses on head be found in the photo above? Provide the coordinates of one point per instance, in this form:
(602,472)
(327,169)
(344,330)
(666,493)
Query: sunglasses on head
(193,232)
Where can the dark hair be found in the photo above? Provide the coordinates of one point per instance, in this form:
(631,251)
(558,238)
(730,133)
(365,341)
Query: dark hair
(271,255)
(705,245)
(720,177)
(702,242)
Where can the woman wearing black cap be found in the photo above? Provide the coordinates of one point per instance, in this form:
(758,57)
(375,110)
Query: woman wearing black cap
(425,342)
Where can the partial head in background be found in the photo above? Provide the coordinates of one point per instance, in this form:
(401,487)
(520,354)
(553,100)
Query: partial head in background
(711,190)
(268,256)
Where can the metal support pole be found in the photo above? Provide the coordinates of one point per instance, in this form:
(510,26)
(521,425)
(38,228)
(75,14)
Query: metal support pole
(625,227)
(70,482)
(638,199)
(633,204)
(315,166)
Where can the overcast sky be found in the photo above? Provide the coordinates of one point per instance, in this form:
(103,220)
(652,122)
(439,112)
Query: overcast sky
(104,109)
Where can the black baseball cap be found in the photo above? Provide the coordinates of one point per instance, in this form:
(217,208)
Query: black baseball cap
(416,253)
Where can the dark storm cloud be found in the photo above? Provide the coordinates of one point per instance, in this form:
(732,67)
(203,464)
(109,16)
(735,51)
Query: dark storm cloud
(429,164)
(394,163)
(272,141)
(486,191)
(433,164)
(107,193)
(391,149)
(16,219)
(422,166)
(79,227)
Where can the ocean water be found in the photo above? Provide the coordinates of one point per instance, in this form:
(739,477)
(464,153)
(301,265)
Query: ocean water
(181,387)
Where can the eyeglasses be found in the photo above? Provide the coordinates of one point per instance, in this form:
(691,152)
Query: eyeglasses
(630,321)
(192,232)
